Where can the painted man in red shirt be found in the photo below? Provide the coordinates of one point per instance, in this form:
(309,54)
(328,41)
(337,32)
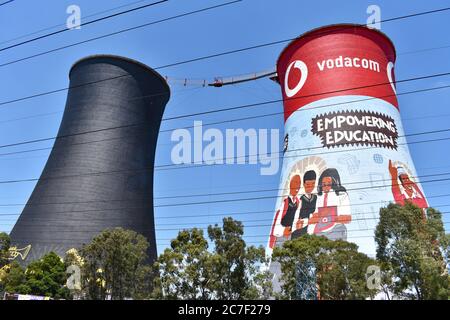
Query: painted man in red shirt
(284,217)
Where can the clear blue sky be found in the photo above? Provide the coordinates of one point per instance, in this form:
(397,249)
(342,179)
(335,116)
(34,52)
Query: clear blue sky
(244,24)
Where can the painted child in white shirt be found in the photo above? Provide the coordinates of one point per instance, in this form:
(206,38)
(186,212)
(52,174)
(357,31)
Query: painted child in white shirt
(332,207)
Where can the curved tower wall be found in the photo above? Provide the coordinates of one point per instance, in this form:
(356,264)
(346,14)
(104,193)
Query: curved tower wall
(97,177)
(344,136)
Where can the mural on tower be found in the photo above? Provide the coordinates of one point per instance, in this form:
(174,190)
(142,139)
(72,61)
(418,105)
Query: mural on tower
(345,153)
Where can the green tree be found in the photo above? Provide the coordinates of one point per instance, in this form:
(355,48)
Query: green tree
(340,269)
(413,251)
(237,267)
(47,277)
(114,265)
(4,254)
(4,249)
(185,269)
(44,277)
(14,279)
(231,270)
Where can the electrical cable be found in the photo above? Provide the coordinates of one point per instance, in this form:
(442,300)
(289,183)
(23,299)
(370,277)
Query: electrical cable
(120,32)
(240,107)
(83,24)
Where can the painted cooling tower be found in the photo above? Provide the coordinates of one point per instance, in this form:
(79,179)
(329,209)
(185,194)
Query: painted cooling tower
(100,171)
(345,154)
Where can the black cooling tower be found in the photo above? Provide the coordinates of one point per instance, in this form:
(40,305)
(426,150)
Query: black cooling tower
(100,172)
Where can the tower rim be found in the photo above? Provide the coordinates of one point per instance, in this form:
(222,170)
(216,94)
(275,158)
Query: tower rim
(121,58)
(327,29)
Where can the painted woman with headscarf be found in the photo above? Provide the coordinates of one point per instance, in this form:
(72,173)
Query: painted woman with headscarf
(404,189)
(332,207)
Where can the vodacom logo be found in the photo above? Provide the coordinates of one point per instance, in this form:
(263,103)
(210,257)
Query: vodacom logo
(389,69)
(300,65)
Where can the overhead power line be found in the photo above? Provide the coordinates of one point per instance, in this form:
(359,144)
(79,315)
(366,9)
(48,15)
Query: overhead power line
(6,154)
(45,93)
(218,54)
(120,32)
(280,196)
(244,236)
(178,196)
(237,107)
(60,111)
(224,160)
(301,109)
(313,95)
(264,225)
(203,202)
(201,82)
(83,24)
(216,223)
(64,24)
(355,217)
(211,215)
(232,214)
(6,2)
(143,123)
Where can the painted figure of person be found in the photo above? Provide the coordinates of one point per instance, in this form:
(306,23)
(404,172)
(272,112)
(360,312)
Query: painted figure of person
(406,190)
(307,204)
(284,218)
(333,207)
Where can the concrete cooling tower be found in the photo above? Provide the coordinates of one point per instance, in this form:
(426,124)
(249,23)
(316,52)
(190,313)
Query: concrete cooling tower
(100,171)
(345,152)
